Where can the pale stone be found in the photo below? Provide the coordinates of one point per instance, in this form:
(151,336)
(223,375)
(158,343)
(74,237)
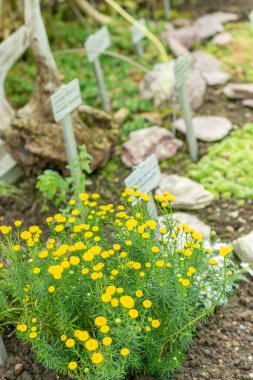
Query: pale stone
(143,143)
(248,103)
(224,17)
(221,39)
(187,36)
(176,47)
(3,353)
(158,84)
(189,195)
(215,78)
(196,88)
(207,26)
(207,128)
(204,62)
(243,247)
(238,90)
(193,222)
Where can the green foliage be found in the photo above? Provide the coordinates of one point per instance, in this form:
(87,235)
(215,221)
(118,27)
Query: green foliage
(227,170)
(134,125)
(56,188)
(237,55)
(7,190)
(113,274)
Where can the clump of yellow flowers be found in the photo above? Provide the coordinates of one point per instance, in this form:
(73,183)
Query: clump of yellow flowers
(111,291)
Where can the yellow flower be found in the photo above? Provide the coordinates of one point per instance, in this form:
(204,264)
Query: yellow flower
(124,351)
(123,255)
(127,302)
(133,313)
(91,344)
(116,247)
(70,343)
(43,254)
(49,219)
(147,304)
(63,338)
(88,256)
(74,260)
(16,248)
(139,293)
(51,289)
(32,335)
(22,327)
(17,223)
(155,249)
(188,252)
(163,230)
(107,341)
(111,289)
(25,235)
(59,228)
(85,271)
(104,329)
(155,323)
(185,282)
(82,335)
(36,270)
(106,297)
(100,321)
(145,235)
(128,243)
(197,236)
(148,328)
(34,320)
(1,265)
(145,197)
(72,202)
(159,263)
(72,366)
(224,251)
(75,212)
(213,262)
(114,272)
(33,328)
(88,235)
(97,358)
(114,302)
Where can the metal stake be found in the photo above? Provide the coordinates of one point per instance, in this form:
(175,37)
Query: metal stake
(167,9)
(190,135)
(3,353)
(139,49)
(101,85)
(70,143)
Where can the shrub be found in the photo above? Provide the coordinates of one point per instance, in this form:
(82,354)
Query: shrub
(112,292)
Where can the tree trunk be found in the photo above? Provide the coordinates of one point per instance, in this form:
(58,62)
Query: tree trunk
(90,11)
(48,77)
(11,50)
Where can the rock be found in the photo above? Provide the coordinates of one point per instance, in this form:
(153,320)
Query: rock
(207,128)
(196,87)
(215,78)
(207,26)
(181,22)
(37,144)
(239,90)
(121,115)
(224,17)
(146,141)
(19,367)
(189,195)
(153,117)
(193,222)
(187,36)
(243,247)
(204,62)
(248,103)
(158,84)
(26,376)
(176,47)
(223,38)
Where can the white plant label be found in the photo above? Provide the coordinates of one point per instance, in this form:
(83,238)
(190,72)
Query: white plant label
(147,177)
(66,99)
(97,43)
(137,33)
(182,68)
